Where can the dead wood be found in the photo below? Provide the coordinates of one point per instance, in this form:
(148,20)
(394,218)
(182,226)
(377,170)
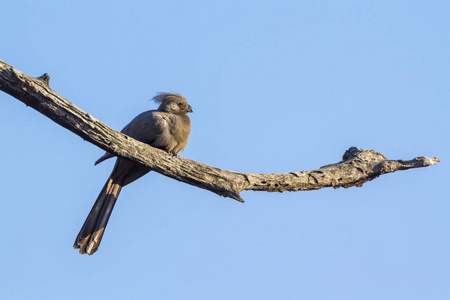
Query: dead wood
(357,166)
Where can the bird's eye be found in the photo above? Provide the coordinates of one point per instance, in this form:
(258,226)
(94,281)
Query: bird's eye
(180,103)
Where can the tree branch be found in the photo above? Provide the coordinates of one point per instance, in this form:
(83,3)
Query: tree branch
(357,166)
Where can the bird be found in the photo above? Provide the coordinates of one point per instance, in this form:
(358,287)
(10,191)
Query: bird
(166,128)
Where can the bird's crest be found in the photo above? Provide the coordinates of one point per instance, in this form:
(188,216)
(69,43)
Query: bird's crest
(161,96)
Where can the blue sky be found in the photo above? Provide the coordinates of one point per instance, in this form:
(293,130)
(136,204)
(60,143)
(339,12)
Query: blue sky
(275,86)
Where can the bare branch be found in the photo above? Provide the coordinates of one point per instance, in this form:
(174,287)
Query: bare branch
(357,166)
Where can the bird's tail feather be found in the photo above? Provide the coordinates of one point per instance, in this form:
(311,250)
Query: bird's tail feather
(90,235)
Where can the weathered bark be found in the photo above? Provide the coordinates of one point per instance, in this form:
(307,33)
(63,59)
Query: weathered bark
(357,166)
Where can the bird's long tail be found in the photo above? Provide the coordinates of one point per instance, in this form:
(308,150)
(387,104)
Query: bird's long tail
(90,235)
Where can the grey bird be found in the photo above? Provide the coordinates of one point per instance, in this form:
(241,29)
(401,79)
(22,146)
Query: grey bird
(166,128)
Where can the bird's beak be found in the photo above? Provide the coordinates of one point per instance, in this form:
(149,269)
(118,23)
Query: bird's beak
(189,109)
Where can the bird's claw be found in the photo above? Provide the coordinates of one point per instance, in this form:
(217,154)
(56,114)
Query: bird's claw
(172,154)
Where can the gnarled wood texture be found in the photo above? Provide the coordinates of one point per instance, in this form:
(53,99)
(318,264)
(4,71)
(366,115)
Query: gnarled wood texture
(357,166)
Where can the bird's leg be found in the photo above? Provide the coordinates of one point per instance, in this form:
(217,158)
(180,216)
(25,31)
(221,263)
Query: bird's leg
(172,153)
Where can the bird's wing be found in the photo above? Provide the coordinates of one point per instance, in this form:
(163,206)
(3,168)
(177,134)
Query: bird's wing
(147,127)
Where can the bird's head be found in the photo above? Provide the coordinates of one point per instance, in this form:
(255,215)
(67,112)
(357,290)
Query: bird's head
(172,103)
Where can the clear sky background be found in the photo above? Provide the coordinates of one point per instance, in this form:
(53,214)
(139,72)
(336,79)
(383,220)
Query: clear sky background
(276,86)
